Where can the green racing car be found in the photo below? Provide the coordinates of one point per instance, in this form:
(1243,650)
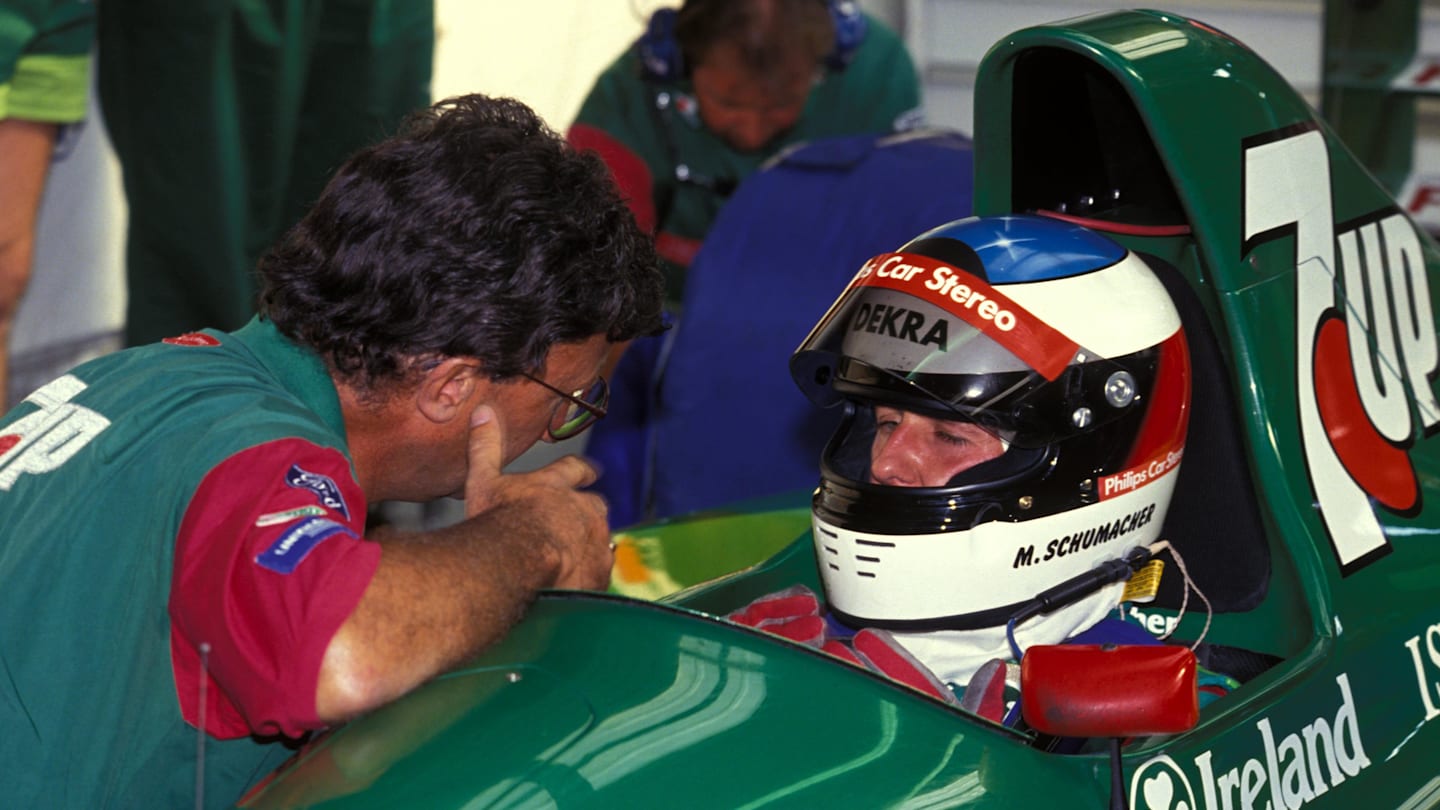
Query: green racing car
(1313,527)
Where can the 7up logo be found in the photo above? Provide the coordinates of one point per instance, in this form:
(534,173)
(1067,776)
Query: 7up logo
(1366,349)
(43,440)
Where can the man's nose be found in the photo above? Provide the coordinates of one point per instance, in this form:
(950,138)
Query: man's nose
(752,131)
(898,462)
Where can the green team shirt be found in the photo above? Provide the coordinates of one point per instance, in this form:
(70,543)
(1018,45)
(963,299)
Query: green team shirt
(156,503)
(650,134)
(45,59)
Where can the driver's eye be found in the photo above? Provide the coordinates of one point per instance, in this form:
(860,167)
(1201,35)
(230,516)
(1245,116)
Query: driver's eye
(953,439)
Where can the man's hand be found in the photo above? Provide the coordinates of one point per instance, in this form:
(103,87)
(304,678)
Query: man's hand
(441,597)
(571,523)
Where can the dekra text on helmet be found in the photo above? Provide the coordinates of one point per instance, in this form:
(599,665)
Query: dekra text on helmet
(883,319)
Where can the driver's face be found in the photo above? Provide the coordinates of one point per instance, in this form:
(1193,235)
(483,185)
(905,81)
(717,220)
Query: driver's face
(911,450)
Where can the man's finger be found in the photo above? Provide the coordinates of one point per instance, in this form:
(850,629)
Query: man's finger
(571,472)
(487,454)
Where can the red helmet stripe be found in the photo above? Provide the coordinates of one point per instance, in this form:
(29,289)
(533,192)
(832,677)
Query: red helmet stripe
(1161,441)
(974,301)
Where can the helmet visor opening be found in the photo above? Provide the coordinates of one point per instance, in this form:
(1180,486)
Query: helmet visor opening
(893,446)
(1021,408)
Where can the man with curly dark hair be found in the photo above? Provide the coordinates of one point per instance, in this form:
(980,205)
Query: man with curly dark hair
(184,523)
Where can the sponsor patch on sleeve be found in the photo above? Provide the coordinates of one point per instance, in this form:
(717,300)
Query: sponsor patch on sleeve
(322,486)
(297,542)
(276,518)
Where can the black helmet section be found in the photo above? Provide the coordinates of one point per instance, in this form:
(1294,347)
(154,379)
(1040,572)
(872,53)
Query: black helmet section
(983,492)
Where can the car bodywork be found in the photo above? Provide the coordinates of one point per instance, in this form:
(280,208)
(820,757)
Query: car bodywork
(1185,146)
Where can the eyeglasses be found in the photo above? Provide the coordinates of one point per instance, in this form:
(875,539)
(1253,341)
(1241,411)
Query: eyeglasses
(581,410)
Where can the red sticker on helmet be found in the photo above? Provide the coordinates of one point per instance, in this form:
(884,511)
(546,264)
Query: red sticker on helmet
(975,302)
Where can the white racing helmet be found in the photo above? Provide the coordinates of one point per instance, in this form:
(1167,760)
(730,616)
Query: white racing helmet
(1053,338)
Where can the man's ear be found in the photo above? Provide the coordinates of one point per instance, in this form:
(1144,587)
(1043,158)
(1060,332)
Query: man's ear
(449,387)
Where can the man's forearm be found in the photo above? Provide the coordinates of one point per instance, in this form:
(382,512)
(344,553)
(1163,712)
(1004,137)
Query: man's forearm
(437,599)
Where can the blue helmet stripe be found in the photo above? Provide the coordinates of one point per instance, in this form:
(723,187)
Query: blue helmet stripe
(1022,248)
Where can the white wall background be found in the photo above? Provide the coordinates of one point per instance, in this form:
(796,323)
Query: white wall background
(546,53)
(949,38)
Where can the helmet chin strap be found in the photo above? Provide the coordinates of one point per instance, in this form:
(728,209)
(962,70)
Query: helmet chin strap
(1076,588)
(955,655)
(1164,545)
(1050,617)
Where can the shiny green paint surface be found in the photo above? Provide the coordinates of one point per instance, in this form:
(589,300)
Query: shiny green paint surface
(1204,99)
(601,701)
